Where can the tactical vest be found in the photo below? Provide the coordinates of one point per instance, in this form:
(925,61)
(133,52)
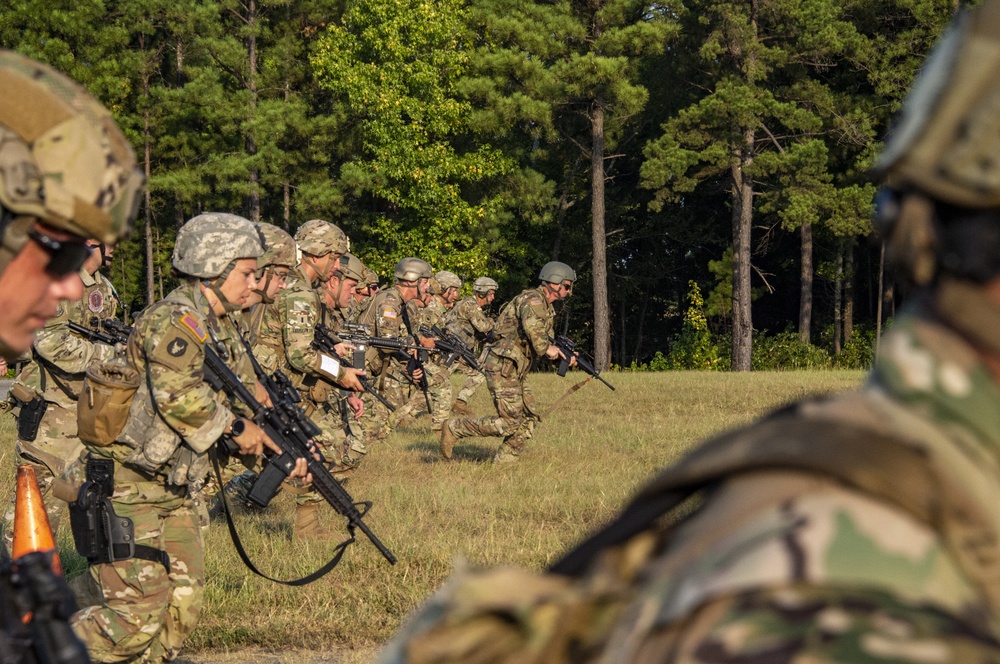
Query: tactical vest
(511,340)
(928,476)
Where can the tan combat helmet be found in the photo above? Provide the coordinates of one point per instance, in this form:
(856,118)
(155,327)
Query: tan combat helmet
(319,238)
(279,247)
(483,285)
(447,280)
(62,159)
(555,272)
(412,269)
(371,278)
(351,267)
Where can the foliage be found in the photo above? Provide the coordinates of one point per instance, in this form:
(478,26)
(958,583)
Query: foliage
(785,351)
(693,347)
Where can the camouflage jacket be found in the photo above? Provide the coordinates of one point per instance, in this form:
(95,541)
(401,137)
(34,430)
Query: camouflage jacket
(286,333)
(467,321)
(524,328)
(386,316)
(857,528)
(166,348)
(433,312)
(65,355)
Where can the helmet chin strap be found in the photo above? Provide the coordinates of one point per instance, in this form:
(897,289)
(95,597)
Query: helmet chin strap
(322,275)
(214,286)
(266,275)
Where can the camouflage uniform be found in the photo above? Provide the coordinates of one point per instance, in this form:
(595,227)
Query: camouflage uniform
(522,331)
(816,542)
(147,611)
(56,374)
(438,382)
(467,321)
(284,342)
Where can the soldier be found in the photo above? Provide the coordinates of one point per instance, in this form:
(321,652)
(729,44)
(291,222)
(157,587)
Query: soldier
(273,269)
(66,174)
(469,323)
(523,333)
(285,342)
(151,601)
(364,291)
(387,316)
(48,387)
(858,528)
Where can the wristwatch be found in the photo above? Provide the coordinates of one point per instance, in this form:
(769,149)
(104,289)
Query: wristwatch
(239,426)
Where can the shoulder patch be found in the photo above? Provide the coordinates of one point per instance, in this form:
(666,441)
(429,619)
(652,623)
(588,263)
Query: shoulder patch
(389,313)
(535,303)
(177,347)
(191,323)
(95,301)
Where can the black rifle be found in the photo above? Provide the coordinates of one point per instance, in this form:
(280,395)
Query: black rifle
(451,347)
(568,347)
(285,424)
(323,342)
(360,335)
(108,331)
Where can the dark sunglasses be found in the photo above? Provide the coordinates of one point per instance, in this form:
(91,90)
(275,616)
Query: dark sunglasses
(65,256)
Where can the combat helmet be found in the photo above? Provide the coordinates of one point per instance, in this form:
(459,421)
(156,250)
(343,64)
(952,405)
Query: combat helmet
(371,278)
(484,285)
(319,238)
(555,272)
(209,244)
(62,159)
(412,269)
(448,280)
(351,267)
(279,247)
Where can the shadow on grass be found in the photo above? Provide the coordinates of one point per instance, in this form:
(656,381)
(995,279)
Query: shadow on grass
(430,452)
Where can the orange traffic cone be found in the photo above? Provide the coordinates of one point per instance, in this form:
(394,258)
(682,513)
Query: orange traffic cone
(32,531)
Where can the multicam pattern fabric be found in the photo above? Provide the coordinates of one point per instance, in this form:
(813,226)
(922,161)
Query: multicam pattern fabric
(858,559)
(467,321)
(148,612)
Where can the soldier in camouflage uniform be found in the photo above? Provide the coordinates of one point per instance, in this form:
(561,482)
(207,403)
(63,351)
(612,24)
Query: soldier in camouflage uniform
(364,291)
(859,528)
(469,323)
(285,342)
(66,174)
(437,303)
(54,380)
(523,333)
(387,315)
(151,602)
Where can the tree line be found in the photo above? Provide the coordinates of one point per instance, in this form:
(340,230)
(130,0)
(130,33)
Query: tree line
(647,144)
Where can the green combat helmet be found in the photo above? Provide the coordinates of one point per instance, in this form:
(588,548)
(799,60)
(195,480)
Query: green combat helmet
(447,280)
(62,159)
(319,238)
(209,244)
(555,272)
(351,267)
(483,285)
(279,248)
(371,278)
(412,269)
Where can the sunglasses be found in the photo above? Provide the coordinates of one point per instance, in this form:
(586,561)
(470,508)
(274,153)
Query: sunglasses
(65,256)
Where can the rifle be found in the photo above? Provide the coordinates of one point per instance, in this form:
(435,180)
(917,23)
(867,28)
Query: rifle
(568,347)
(451,347)
(110,331)
(287,426)
(323,342)
(360,335)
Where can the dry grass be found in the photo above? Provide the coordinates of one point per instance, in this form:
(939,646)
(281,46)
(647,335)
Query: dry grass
(585,460)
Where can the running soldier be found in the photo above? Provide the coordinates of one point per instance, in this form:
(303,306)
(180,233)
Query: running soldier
(469,323)
(523,333)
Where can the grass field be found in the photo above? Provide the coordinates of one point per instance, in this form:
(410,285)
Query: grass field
(585,460)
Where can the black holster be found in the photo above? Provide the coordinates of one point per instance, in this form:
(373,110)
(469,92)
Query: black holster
(30,418)
(101,536)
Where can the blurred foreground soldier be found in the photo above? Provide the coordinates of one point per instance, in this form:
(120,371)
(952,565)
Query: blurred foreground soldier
(160,458)
(863,527)
(66,174)
(522,334)
(469,323)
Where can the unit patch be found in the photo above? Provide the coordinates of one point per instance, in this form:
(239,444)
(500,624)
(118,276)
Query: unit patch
(177,347)
(191,323)
(95,301)
(389,313)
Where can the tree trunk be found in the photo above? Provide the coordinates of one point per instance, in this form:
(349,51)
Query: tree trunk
(742,193)
(838,286)
(636,354)
(564,205)
(849,292)
(147,140)
(251,144)
(806,283)
(602,314)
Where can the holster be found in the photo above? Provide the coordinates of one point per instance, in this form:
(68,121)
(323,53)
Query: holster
(29,419)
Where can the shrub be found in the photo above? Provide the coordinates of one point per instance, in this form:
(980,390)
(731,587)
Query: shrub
(785,351)
(693,348)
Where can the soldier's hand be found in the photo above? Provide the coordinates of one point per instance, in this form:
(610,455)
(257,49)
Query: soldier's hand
(427,342)
(261,395)
(253,440)
(553,352)
(357,405)
(350,380)
(343,348)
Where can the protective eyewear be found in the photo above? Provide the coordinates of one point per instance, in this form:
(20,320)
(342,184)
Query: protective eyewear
(65,256)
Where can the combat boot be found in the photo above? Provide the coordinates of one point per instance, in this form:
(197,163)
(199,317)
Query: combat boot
(506,454)
(461,408)
(308,523)
(448,439)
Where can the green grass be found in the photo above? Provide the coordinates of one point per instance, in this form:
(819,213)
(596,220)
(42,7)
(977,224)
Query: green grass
(583,463)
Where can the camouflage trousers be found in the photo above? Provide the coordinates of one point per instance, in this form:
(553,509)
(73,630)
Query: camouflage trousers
(514,402)
(147,612)
(52,450)
(439,392)
(473,379)
(377,422)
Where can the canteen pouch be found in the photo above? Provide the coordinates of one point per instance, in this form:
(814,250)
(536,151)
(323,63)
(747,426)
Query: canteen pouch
(103,408)
(29,419)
